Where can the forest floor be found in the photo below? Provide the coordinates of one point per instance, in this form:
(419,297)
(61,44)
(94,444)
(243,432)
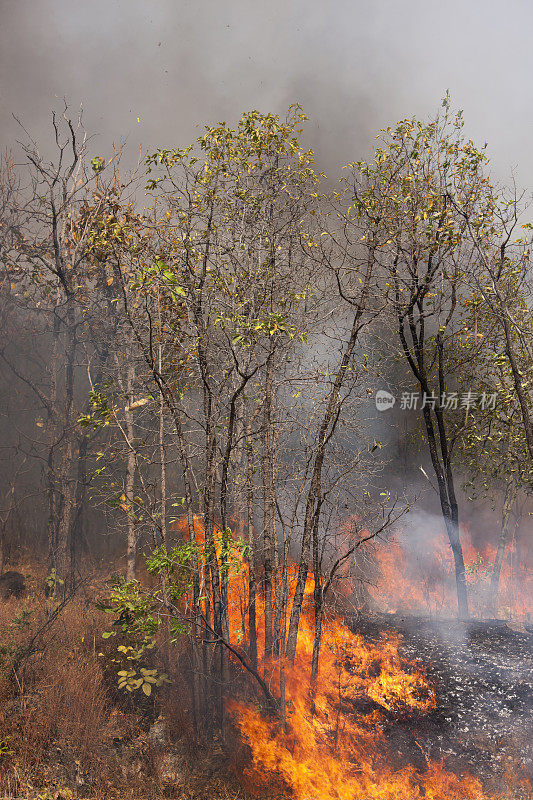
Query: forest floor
(483,674)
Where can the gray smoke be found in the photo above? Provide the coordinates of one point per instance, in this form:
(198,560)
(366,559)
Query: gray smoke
(355,66)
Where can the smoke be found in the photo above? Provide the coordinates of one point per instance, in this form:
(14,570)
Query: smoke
(154,73)
(416,576)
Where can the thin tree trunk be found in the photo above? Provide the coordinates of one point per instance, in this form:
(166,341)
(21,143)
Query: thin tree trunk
(269,542)
(510,496)
(220,622)
(162,454)
(452,529)
(131,544)
(279,640)
(51,460)
(64,477)
(448,504)
(64,528)
(163,464)
(196,638)
(319,604)
(81,491)
(252,585)
(283,632)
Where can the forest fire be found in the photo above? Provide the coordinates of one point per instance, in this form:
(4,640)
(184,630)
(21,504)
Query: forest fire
(422,582)
(333,745)
(192,359)
(330,750)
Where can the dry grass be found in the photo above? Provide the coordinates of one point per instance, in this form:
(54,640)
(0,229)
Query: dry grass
(66,726)
(71,710)
(57,712)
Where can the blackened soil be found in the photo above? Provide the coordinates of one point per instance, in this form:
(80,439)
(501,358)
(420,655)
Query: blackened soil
(483,673)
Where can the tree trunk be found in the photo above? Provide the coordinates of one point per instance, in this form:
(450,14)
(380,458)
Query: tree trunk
(319,604)
(220,620)
(65,527)
(252,624)
(162,454)
(51,460)
(269,543)
(64,479)
(199,665)
(510,496)
(284,592)
(131,544)
(163,465)
(81,491)
(452,529)
(448,503)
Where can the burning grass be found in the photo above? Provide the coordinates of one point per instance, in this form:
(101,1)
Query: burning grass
(64,723)
(331,747)
(333,744)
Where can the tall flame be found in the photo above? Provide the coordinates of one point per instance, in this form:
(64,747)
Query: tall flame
(332,745)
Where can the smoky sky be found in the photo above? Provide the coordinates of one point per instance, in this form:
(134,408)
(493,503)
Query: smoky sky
(354,65)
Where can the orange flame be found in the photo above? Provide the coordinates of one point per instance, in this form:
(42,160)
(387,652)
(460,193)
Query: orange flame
(424,582)
(333,745)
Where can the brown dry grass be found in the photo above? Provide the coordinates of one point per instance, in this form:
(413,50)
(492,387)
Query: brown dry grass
(57,712)
(67,726)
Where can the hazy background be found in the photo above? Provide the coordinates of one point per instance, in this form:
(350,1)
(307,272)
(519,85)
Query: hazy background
(155,72)
(354,65)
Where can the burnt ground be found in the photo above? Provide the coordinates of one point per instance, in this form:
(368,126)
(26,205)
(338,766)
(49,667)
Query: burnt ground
(483,673)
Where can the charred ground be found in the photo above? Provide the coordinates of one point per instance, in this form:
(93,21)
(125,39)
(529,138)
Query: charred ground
(483,674)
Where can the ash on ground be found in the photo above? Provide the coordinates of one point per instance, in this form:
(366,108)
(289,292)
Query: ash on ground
(483,674)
